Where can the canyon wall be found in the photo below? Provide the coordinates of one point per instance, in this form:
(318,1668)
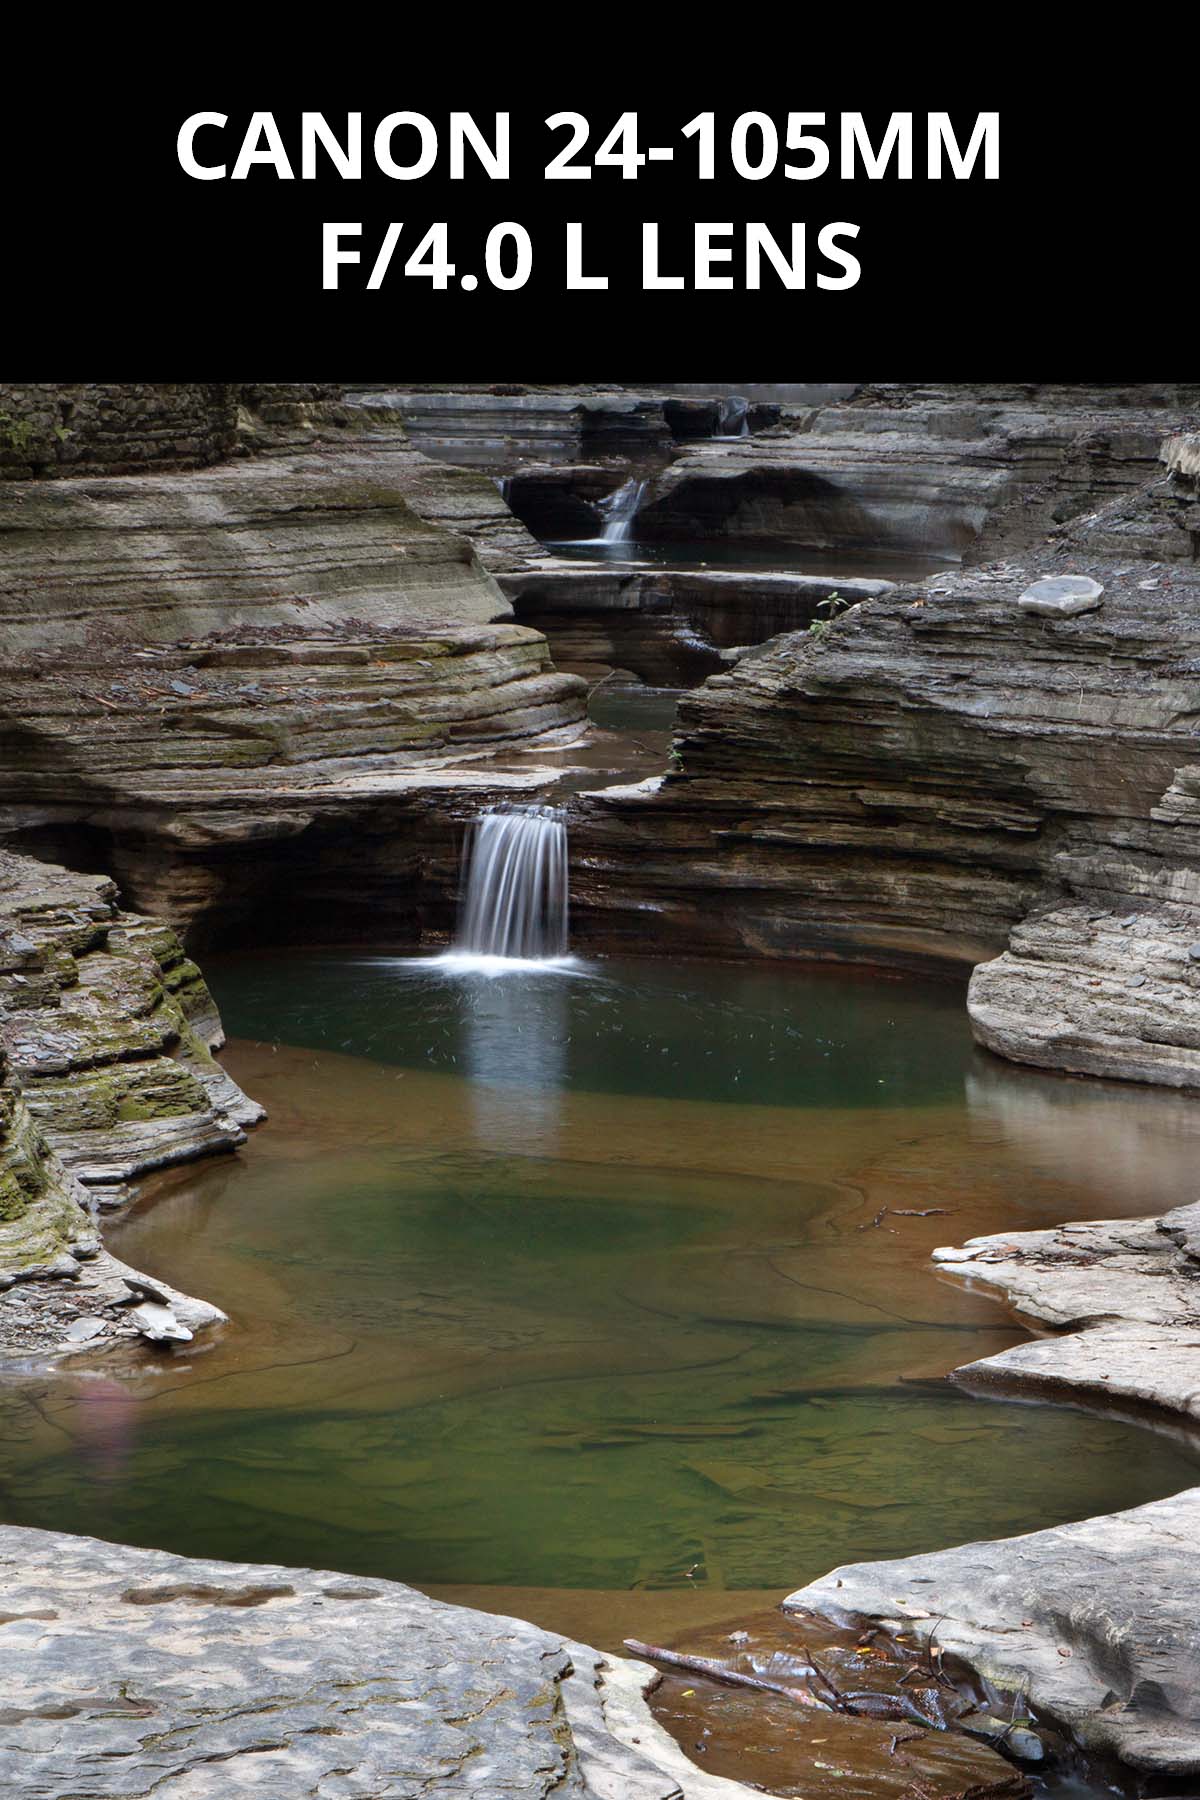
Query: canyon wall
(86,427)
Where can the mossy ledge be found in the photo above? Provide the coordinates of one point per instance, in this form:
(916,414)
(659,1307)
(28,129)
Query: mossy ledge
(107,1033)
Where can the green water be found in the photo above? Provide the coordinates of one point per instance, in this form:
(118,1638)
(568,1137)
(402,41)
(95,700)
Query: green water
(579,1281)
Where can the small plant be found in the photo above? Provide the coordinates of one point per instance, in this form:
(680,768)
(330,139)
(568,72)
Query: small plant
(18,433)
(833,606)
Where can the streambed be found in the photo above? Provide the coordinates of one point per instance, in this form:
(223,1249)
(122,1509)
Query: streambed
(601,1295)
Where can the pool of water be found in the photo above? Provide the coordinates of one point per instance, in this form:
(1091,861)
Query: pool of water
(600,1295)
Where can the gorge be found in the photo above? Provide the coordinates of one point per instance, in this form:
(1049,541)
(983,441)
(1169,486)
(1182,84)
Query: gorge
(603,1295)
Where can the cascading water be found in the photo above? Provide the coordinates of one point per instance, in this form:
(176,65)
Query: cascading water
(514,903)
(734,420)
(619,511)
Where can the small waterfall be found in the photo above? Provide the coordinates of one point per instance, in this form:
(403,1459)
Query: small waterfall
(515,900)
(619,511)
(734,420)
(503,485)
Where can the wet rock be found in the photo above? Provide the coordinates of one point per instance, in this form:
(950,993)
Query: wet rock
(159,1324)
(112,1052)
(1094,1621)
(85,1330)
(1096,994)
(1061,596)
(173,1678)
(930,780)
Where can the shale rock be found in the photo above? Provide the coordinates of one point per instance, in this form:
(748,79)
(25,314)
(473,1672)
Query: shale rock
(135,1670)
(1095,1622)
(226,677)
(1062,596)
(109,1030)
(937,769)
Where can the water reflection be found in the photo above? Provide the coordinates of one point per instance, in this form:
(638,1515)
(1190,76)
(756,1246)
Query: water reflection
(515,1047)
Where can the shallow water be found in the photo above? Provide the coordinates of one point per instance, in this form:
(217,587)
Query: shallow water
(580,1285)
(735,553)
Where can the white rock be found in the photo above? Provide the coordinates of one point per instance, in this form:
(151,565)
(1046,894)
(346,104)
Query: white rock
(159,1324)
(1060,596)
(84,1329)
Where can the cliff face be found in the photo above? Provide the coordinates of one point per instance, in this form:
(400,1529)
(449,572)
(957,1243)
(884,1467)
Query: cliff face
(960,472)
(217,675)
(106,1072)
(940,766)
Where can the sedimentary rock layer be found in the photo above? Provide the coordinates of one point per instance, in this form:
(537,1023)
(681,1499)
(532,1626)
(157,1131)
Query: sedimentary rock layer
(109,1030)
(142,1670)
(106,1071)
(1096,1621)
(668,627)
(908,784)
(207,672)
(962,472)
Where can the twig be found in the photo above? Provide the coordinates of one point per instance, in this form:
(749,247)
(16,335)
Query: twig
(713,1671)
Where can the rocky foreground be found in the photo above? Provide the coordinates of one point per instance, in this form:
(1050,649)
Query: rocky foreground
(134,1672)
(1097,1623)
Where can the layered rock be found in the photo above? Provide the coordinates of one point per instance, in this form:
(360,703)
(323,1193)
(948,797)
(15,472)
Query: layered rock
(139,1668)
(501,425)
(106,1071)
(1095,1623)
(908,783)
(109,1031)
(669,627)
(82,427)
(222,677)
(957,471)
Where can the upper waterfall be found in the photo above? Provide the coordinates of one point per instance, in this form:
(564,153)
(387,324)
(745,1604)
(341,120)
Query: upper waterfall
(620,510)
(514,903)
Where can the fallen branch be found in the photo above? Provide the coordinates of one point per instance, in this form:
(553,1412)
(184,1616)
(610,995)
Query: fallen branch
(715,1671)
(870,1704)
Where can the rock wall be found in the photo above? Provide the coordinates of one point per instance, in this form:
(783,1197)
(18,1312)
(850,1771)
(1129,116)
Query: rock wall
(221,685)
(961,472)
(109,1031)
(77,428)
(939,766)
(106,1072)
(1094,1622)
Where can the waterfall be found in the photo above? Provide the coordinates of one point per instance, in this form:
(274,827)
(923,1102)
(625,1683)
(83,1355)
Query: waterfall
(733,421)
(503,484)
(619,511)
(514,903)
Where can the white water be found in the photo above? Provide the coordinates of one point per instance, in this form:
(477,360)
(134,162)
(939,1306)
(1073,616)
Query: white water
(619,511)
(514,907)
(733,421)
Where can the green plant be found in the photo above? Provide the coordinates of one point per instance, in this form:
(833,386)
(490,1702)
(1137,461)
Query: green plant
(833,606)
(18,433)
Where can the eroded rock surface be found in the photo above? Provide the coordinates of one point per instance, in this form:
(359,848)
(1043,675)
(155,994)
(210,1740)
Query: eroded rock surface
(133,1670)
(109,1030)
(106,1072)
(1126,1293)
(910,782)
(1095,1622)
(217,679)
